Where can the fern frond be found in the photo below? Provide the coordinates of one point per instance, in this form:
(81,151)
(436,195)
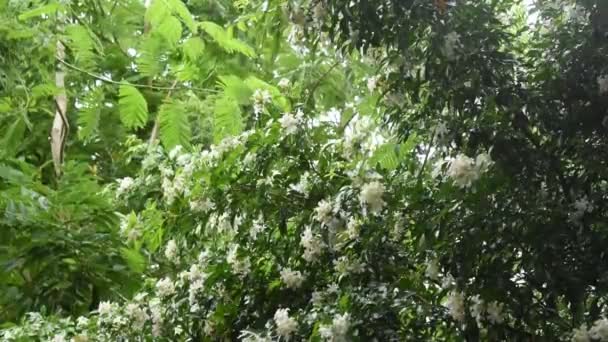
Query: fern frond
(225,40)
(170,29)
(157,12)
(235,88)
(174,125)
(82,46)
(179,8)
(193,48)
(386,156)
(133,107)
(90,113)
(151,52)
(227,120)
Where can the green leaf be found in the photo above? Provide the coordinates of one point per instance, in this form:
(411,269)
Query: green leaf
(46,9)
(133,258)
(90,113)
(170,29)
(149,61)
(174,125)
(225,40)
(235,88)
(132,106)
(227,119)
(156,12)
(81,45)
(386,156)
(13,137)
(181,10)
(193,48)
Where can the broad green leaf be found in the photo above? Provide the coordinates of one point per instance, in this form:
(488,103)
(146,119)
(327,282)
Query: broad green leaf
(133,107)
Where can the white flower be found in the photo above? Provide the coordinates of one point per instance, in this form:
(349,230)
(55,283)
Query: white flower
(371,194)
(82,322)
(171,251)
(455,305)
(137,315)
(105,308)
(324,212)
(432,269)
(580,334)
(463,172)
(175,152)
(372,83)
(59,338)
(303,186)
(260,99)
(451,43)
(124,184)
(602,82)
(165,287)
(133,234)
(289,123)
(599,330)
(337,330)
(495,312)
(483,162)
(293,279)
(477,308)
(312,245)
(352,228)
(285,324)
(447,281)
(341,324)
(283,83)
(202,205)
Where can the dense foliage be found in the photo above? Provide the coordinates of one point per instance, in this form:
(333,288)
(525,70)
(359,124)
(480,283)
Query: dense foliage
(303,170)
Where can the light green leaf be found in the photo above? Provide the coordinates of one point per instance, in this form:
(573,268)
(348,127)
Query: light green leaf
(170,29)
(133,258)
(179,8)
(149,62)
(174,125)
(235,88)
(227,120)
(13,137)
(46,9)
(133,107)
(90,113)
(193,48)
(225,40)
(81,45)
(156,12)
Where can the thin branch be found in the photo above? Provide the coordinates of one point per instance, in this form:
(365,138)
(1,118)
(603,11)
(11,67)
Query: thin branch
(105,79)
